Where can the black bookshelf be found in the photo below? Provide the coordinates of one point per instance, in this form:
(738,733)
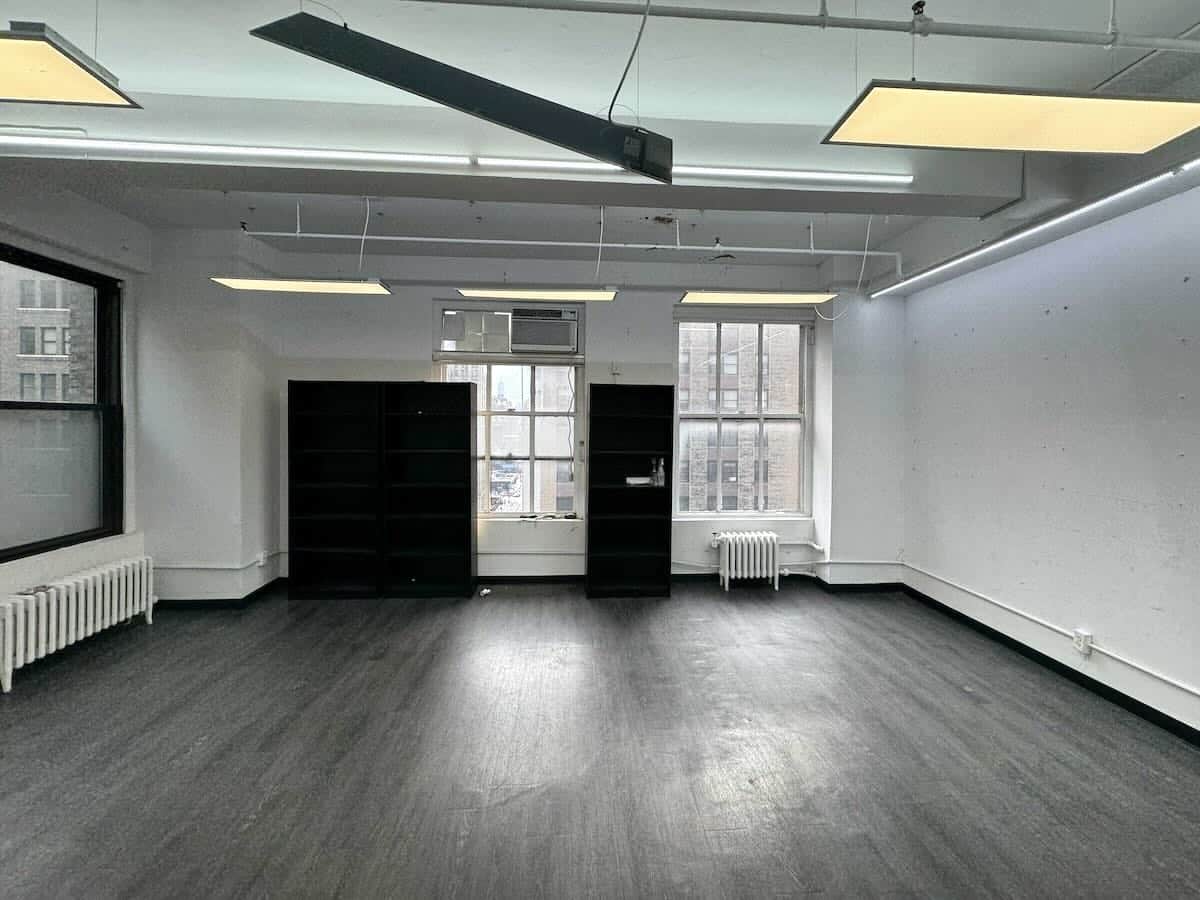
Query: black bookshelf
(381,486)
(629,527)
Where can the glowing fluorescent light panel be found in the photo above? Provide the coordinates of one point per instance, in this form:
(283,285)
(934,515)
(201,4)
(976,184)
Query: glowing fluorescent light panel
(39,66)
(749,298)
(538,296)
(964,117)
(303,286)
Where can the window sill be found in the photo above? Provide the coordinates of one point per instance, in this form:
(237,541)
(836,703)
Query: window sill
(57,357)
(685,518)
(42,309)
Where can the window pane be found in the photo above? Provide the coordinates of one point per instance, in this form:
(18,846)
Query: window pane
(697,479)
(509,486)
(477,375)
(782,364)
(49,388)
(28,386)
(555,389)
(554,436)
(510,388)
(51,462)
(739,454)
(475,331)
(739,368)
(510,436)
(554,487)
(31,333)
(697,368)
(781,465)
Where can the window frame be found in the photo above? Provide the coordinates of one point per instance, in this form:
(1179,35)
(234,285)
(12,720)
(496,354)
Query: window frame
(760,317)
(106,403)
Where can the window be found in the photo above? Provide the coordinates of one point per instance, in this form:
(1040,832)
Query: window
(48,294)
(61,461)
(753,423)
(525,435)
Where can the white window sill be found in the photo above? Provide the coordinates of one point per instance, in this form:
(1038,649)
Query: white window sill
(55,357)
(741,517)
(42,309)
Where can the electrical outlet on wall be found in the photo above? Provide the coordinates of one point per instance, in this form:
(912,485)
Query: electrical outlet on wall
(1083,641)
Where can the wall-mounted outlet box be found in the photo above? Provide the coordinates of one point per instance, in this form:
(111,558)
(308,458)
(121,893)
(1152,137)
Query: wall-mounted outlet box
(1083,641)
(262,558)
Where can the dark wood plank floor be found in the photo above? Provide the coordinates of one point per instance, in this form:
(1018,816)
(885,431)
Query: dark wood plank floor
(539,744)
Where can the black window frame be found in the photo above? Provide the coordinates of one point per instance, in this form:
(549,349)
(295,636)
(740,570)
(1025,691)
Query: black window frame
(106,403)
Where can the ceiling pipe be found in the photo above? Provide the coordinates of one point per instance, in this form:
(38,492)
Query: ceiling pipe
(926,27)
(897,258)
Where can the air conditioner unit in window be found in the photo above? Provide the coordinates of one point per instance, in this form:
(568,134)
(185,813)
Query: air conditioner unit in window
(545,331)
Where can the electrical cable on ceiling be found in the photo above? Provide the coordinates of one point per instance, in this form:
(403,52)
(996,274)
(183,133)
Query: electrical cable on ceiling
(366,223)
(861,273)
(96,33)
(632,55)
(328,7)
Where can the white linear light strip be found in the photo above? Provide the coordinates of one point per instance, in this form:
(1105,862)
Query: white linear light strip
(792,175)
(908,283)
(230,151)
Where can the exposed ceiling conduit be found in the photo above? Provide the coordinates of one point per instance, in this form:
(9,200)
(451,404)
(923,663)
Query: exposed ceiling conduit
(897,258)
(923,26)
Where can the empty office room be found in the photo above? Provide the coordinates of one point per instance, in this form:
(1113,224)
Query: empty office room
(572,449)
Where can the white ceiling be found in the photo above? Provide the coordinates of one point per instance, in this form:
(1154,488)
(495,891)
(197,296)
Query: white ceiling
(688,70)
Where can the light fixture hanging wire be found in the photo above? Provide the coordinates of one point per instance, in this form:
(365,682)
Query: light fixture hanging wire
(633,53)
(600,249)
(96,32)
(328,7)
(861,273)
(366,223)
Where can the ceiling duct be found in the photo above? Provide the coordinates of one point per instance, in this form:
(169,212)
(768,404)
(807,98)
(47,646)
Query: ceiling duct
(633,149)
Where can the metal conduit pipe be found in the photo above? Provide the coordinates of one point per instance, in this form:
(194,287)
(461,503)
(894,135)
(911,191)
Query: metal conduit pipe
(897,258)
(925,27)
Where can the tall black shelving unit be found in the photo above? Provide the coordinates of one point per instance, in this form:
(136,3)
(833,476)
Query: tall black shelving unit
(381,486)
(629,527)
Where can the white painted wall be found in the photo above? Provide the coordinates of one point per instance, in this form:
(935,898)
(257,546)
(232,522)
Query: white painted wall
(1054,424)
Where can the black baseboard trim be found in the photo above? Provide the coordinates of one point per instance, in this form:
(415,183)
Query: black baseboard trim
(890,587)
(529,579)
(1180,729)
(230,604)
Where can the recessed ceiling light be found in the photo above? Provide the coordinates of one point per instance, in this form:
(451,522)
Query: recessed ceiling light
(969,117)
(538,295)
(38,65)
(798,175)
(303,285)
(754,298)
(549,165)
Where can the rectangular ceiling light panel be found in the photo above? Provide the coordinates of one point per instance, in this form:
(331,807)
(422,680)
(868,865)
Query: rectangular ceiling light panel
(39,66)
(630,148)
(753,298)
(303,285)
(538,295)
(964,117)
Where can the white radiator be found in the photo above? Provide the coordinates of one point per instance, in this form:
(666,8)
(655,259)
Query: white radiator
(748,554)
(49,617)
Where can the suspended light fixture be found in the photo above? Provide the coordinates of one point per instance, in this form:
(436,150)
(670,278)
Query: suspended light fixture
(971,117)
(538,295)
(303,285)
(634,149)
(37,65)
(755,298)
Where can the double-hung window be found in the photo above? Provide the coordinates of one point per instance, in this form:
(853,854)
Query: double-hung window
(61,460)
(742,403)
(526,427)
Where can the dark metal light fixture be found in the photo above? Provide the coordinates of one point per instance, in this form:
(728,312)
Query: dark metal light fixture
(633,149)
(972,117)
(37,65)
